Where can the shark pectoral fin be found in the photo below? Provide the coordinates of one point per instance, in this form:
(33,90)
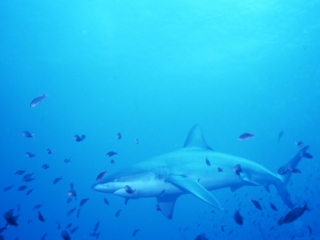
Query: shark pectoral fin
(166,204)
(193,186)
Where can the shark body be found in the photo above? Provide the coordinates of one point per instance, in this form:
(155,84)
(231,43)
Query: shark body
(193,169)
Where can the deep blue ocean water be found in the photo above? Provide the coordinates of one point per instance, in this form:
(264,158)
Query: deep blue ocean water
(151,70)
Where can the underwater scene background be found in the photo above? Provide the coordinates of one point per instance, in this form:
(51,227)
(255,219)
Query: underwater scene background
(150,70)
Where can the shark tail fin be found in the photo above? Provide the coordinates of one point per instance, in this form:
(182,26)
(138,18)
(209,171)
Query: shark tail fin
(284,174)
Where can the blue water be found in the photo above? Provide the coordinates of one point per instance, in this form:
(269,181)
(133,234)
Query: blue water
(151,70)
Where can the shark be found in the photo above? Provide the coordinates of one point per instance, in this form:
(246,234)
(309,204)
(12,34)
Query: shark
(194,169)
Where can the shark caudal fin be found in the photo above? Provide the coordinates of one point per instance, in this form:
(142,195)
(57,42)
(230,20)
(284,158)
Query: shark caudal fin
(284,174)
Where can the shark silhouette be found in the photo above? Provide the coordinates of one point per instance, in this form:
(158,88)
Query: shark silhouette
(193,169)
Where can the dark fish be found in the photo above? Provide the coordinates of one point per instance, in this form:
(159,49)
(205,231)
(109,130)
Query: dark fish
(207,161)
(65,235)
(101,175)
(44,236)
(58,224)
(112,161)
(111,153)
(118,136)
(36,101)
(256,204)
(67,160)
(70,212)
(28,175)
(282,170)
(30,155)
(71,185)
(126,200)
(29,191)
(69,225)
(78,138)
(280,135)
(49,151)
(295,170)
(69,200)
(310,230)
(118,213)
(129,190)
(56,180)
(96,227)
(237,169)
(20,172)
(30,179)
(307,155)
(78,213)
(137,141)
(27,134)
(7,188)
(201,237)
(135,232)
(299,144)
(74,229)
(273,207)
(106,201)
(238,218)
(245,136)
(72,193)
(220,169)
(20,189)
(10,218)
(83,201)
(45,166)
(40,217)
(36,207)
(293,215)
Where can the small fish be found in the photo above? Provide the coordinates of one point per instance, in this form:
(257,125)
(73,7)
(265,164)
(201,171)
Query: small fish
(78,138)
(129,190)
(20,189)
(18,208)
(299,144)
(112,161)
(65,235)
(30,179)
(7,188)
(118,213)
(36,207)
(237,169)
(71,185)
(135,232)
(282,170)
(74,229)
(307,155)
(69,200)
(27,134)
(30,155)
(72,193)
(20,172)
(273,207)
(28,175)
(96,227)
(295,170)
(238,218)
(280,135)
(106,201)
(256,204)
(69,225)
(49,151)
(126,200)
(293,215)
(310,230)
(10,218)
(245,136)
(45,166)
(44,236)
(101,175)
(111,153)
(78,213)
(201,237)
(70,212)
(67,160)
(58,224)
(83,201)
(207,161)
(29,191)
(36,101)
(118,136)
(137,141)
(56,180)
(40,217)
(220,169)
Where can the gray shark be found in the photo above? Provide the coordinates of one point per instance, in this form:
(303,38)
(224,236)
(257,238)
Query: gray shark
(193,169)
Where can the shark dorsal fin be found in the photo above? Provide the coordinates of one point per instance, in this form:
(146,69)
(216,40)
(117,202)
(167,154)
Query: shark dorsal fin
(195,139)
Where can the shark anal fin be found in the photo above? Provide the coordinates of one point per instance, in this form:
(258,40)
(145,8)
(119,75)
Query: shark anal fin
(166,204)
(193,186)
